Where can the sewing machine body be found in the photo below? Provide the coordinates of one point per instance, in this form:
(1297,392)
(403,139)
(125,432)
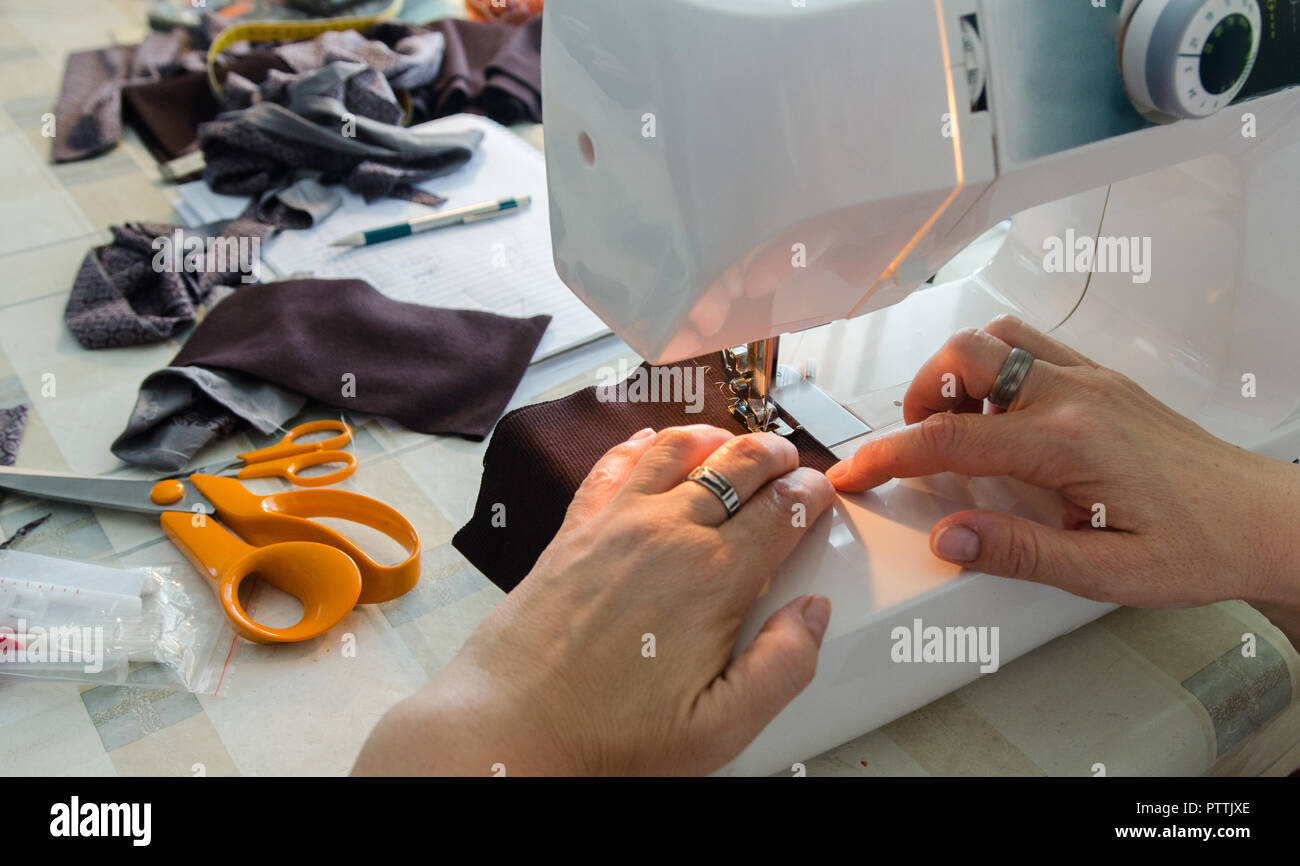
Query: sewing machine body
(787,167)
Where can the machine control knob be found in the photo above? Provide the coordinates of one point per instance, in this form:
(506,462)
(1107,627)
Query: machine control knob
(1187,58)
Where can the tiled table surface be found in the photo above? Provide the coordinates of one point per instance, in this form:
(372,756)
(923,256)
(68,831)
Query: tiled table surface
(1140,691)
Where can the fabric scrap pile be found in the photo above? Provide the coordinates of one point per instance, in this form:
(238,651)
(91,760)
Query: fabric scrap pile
(295,119)
(445,67)
(337,127)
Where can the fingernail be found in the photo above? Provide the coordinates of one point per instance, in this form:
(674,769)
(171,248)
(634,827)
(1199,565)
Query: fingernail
(644,434)
(957,543)
(837,470)
(816,614)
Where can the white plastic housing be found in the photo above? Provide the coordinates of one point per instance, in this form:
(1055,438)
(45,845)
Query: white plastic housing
(756,166)
(813,163)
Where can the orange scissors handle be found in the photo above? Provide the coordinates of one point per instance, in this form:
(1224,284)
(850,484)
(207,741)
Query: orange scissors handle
(281,517)
(289,467)
(289,446)
(322,578)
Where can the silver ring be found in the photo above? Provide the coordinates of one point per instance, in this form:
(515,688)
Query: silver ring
(719,486)
(1007,385)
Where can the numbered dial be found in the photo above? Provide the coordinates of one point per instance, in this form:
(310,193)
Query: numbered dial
(1188,58)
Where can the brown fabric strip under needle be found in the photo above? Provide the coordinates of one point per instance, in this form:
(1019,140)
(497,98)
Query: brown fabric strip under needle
(540,454)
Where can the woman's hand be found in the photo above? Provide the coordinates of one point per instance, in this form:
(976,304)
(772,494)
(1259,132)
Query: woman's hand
(614,654)
(1188,518)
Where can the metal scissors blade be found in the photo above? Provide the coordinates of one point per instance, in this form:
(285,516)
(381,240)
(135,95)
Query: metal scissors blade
(123,494)
(287,457)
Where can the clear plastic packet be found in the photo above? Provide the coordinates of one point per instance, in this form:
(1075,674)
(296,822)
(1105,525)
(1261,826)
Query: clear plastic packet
(79,622)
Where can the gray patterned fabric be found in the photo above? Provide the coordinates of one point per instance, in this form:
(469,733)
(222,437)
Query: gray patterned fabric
(337,127)
(412,61)
(121,298)
(88,114)
(12,421)
(182,409)
(445,67)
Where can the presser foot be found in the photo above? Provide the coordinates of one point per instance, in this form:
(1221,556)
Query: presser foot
(751,373)
(764,419)
(819,414)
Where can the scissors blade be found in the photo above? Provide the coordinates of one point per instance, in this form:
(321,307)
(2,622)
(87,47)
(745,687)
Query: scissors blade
(210,469)
(122,494)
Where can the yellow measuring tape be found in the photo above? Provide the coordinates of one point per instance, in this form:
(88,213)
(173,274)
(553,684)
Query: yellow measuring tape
(293,31)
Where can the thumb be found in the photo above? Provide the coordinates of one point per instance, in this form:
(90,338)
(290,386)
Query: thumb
(776,666)
(997,543)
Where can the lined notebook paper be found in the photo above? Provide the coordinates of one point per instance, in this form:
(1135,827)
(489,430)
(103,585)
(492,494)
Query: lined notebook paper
(502,265)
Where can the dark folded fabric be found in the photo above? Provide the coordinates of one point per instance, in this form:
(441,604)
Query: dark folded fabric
(487,68)
(540,454)
(330,130)
(167,110)
(88,114)
(121,297)
(346,345)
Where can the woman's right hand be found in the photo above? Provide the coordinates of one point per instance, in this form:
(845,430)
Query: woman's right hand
(1185,518)
(559,678)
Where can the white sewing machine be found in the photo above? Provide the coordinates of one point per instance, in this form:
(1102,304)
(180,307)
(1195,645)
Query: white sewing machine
(726,171)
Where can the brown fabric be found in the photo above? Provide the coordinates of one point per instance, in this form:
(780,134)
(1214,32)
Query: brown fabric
(489,68)
(434,370)
(88,113)
(540,454)
(167,111)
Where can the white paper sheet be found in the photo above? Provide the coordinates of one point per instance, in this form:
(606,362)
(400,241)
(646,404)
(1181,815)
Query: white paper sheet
(502,265)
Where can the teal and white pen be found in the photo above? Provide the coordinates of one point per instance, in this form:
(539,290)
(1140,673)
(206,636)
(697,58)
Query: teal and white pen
(459,216)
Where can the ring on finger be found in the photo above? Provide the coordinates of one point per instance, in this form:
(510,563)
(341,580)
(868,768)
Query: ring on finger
(1007,385)
(717,484)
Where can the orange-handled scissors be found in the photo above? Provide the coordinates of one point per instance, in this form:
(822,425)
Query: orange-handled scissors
(282,543)
(287,458)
